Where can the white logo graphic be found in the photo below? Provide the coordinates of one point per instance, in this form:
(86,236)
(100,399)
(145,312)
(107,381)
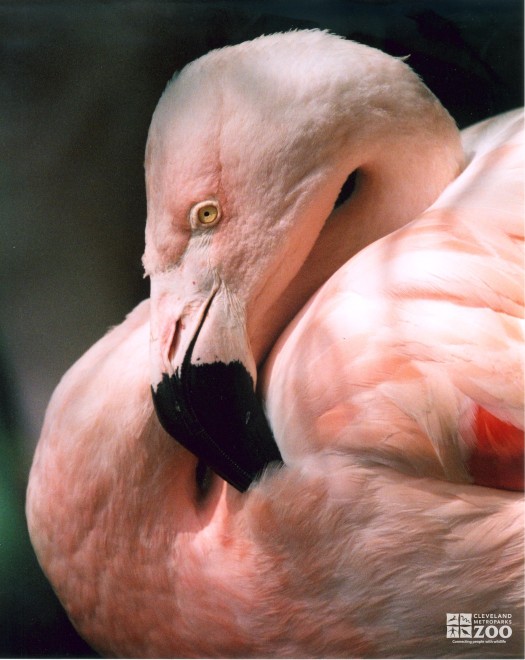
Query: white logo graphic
(469,628)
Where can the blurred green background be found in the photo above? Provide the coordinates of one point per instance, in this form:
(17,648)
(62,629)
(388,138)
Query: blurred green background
(78,84)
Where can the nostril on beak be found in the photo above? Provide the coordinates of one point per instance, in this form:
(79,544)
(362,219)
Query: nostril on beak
(175,341)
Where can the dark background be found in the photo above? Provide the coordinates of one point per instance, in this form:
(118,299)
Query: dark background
(78,84)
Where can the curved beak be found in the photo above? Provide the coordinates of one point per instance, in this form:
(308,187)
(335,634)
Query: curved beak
(203,380)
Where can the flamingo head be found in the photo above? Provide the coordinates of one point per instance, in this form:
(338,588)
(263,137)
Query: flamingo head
(247,153)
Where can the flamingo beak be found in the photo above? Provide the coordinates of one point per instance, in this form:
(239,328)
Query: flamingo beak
(203,387)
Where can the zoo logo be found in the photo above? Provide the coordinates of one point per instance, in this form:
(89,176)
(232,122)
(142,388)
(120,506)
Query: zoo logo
(468,628)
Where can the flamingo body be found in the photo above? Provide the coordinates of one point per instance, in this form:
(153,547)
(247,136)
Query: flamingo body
(412,354)
(362,561)
(386,336)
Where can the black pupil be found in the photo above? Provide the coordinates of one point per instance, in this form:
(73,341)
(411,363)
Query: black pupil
(346,190)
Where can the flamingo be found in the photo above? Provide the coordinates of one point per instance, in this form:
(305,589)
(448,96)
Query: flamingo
(380,321)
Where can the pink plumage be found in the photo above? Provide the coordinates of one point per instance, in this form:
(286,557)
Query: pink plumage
(385,338)
(424,329)
(496,459)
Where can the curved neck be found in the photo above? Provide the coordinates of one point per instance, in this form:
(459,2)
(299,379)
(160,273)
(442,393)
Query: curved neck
(399,176)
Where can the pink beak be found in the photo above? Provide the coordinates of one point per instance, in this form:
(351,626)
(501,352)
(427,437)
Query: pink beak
(202,382)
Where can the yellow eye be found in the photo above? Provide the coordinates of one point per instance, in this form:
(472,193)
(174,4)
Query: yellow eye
(208,214)
(205,214)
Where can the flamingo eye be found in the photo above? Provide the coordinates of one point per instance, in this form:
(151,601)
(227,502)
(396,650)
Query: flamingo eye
(205,214)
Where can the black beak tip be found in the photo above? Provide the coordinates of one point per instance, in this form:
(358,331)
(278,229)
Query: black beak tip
(212,410)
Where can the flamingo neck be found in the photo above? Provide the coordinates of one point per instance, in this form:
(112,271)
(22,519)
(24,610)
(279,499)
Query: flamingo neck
(401,174)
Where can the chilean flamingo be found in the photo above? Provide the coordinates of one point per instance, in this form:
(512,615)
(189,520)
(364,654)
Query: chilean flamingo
(396,385)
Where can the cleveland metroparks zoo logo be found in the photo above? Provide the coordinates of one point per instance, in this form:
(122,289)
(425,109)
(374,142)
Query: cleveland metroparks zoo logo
(469,628)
